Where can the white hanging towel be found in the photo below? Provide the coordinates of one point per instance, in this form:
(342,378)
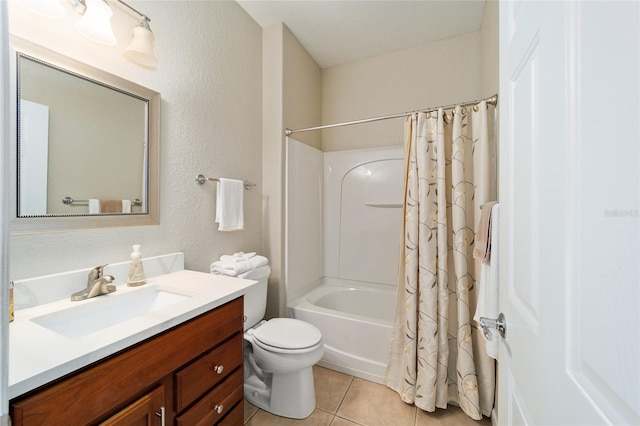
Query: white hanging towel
(94,206)
(488,285)
(229,205)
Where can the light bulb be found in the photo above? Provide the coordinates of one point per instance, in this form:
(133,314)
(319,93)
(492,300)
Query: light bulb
(140,50)
(95,24)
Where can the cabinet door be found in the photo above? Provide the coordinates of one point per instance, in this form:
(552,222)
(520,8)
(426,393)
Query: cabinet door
(147,411)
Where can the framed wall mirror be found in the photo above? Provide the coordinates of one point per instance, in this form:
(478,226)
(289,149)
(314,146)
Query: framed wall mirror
(86,146)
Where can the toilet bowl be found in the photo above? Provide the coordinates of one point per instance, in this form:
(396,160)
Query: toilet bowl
(278,355)
(278,366)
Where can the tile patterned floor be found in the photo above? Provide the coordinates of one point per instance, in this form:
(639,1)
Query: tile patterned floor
(343,400)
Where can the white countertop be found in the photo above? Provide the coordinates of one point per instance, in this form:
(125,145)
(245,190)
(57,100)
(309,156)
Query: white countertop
(38,355)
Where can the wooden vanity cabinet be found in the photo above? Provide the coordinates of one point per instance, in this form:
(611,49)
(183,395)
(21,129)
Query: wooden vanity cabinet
(192,372)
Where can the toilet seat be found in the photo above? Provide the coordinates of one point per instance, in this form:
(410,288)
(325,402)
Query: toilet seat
(287,335)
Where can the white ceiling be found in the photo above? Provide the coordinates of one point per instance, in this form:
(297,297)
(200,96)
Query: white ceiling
(336,32)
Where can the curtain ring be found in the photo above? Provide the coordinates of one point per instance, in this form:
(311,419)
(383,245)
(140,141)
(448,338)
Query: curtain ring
(475,108)
(464,111)
(429,114)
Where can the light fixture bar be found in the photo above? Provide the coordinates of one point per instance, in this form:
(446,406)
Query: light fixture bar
(78,5)
(142,15)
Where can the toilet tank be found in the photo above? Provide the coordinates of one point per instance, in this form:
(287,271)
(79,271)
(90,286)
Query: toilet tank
(255,297)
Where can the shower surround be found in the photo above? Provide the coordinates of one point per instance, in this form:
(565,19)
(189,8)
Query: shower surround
(343,215)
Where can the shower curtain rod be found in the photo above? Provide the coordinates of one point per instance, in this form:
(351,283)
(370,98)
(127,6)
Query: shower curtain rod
(493,100)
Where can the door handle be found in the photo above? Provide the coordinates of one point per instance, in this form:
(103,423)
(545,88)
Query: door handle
(499,324)
(161,414)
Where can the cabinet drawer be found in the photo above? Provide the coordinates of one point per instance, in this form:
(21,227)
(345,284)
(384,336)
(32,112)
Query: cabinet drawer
(202,375)
(235,417)
(216,404)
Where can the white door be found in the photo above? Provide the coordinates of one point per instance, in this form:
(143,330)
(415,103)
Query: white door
(570,213)
(34,157)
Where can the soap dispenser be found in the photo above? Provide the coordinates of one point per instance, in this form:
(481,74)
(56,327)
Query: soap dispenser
(136,270)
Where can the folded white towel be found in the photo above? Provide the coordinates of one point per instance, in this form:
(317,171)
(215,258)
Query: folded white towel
(256,274)
(232,267)
(488,285)
(245,255)
(126,206)
(237,257)
(231,259)
(229,205)
(94,206)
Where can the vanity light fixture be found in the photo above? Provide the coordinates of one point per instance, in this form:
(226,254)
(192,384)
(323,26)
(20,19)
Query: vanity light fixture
(96,25)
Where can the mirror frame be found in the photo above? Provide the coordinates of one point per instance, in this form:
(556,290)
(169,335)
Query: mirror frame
(61,223)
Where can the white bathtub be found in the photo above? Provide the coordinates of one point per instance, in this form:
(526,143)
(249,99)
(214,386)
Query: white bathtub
(355,319)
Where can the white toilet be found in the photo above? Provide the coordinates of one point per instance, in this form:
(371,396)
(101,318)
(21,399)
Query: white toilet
(278,356)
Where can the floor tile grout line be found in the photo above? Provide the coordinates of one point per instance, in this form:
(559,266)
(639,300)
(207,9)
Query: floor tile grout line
(252,416)
(351,421)
(344,396)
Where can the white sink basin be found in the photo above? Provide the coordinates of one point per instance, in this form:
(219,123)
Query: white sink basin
(98,313)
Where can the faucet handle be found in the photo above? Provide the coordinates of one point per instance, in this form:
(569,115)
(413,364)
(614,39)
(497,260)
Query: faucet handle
(96,273)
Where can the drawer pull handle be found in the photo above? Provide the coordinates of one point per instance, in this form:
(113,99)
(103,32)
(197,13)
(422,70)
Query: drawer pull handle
(218,369)
(219,408)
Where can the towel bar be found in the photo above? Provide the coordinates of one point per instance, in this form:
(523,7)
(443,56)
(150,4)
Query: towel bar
(202,179)
(70,201)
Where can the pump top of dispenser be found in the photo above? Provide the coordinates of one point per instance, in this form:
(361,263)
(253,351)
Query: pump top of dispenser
(136,251)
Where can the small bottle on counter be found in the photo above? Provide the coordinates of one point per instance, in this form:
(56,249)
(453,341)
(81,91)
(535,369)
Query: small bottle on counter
(136,270)
(11,307)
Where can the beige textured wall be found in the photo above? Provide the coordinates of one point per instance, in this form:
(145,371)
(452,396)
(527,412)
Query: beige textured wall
(272,159)
(489,31)
(302,91)
(292,84)
(489,49)
(439,73)
(210,78)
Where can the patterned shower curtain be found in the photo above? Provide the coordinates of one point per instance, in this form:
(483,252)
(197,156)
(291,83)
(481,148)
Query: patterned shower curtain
(437,353)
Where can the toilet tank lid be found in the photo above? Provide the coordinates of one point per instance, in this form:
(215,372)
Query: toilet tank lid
(288,333)
(256,274)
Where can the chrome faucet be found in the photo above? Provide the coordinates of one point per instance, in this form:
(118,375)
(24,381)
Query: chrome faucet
(97,284)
